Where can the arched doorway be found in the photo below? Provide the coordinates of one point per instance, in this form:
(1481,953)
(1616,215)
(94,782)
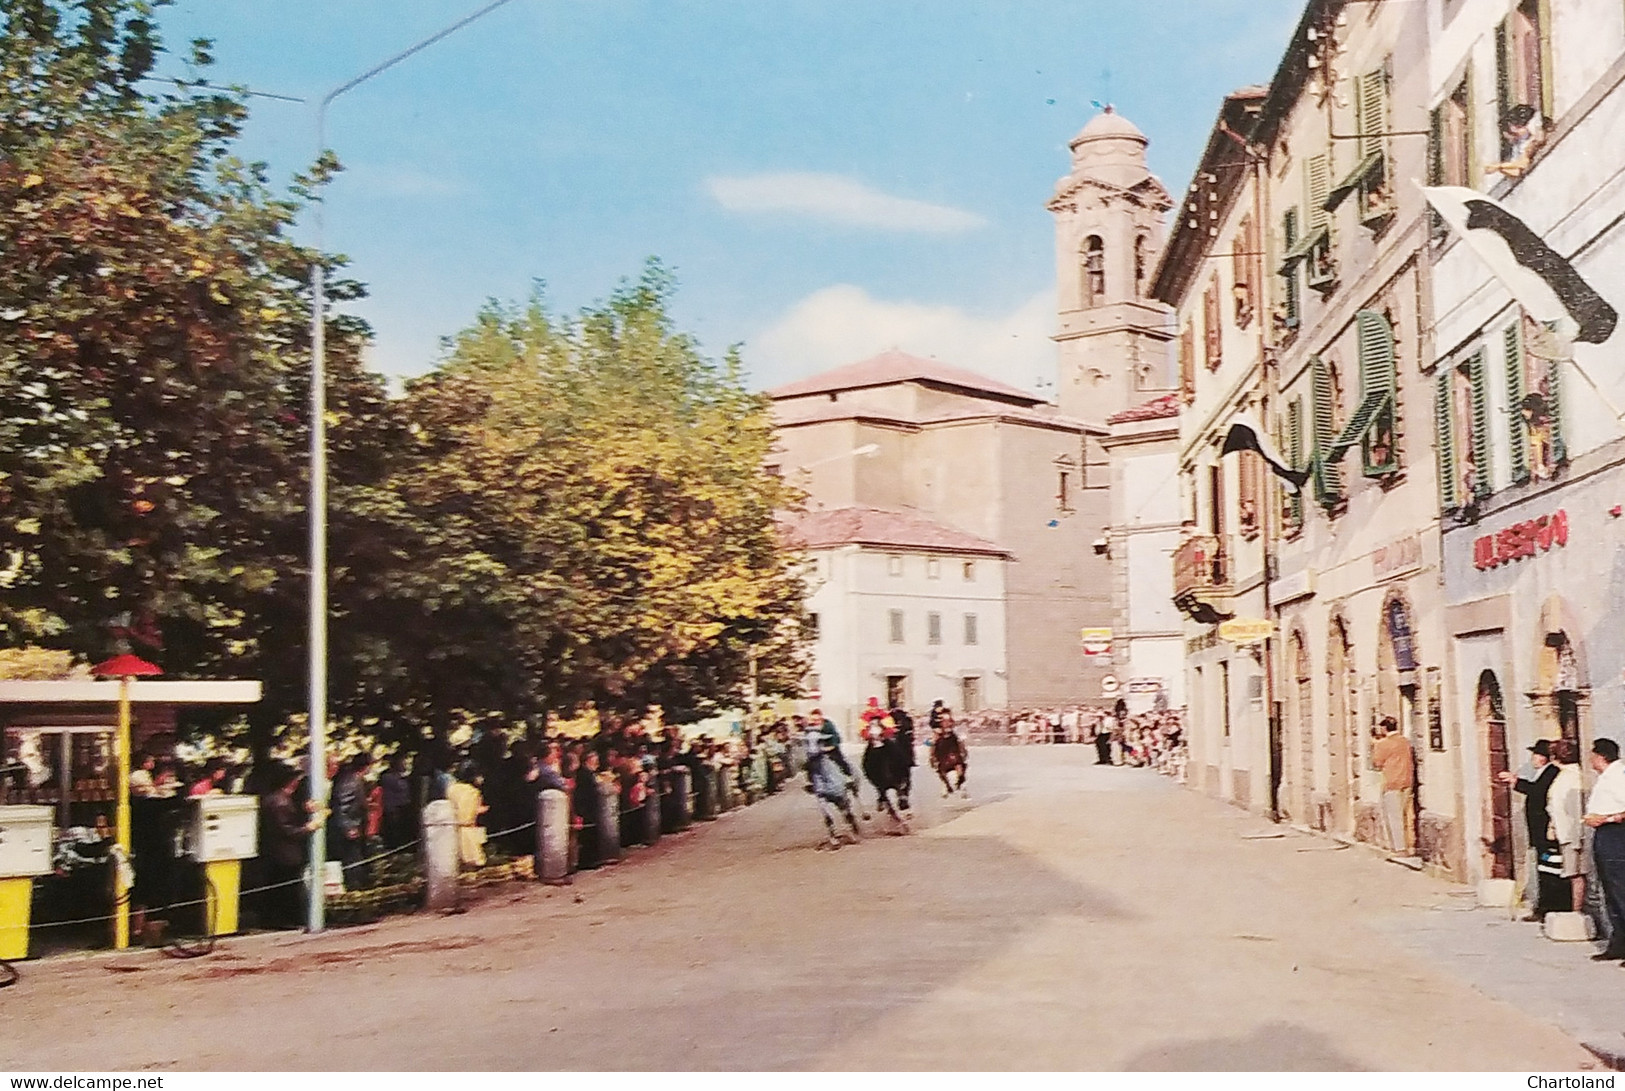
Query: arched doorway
(1492,727)
(1339,690)
(1399,687)
(1303,728)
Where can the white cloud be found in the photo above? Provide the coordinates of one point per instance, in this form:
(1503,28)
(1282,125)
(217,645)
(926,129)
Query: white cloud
(843,324)
(836,199)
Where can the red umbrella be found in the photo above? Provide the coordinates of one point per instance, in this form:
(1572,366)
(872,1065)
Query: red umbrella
(125,666)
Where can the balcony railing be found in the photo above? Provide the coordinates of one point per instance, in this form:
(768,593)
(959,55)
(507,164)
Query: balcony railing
(1200,565)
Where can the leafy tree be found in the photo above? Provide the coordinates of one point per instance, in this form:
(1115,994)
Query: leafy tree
(595,521)
(154,362)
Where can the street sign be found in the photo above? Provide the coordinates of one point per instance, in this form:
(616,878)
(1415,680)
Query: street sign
(1109,686)
(1096,641)
(1246,630)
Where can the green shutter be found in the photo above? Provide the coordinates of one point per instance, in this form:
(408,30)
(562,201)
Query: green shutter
(1376,338)
(1289,238)
(1503,68)
(1436,147)
(1294,451)
(1484,472)
(1328,478)
(1515,393)
(1317,181)
(1554,409)
(1371,111)
(1445,444)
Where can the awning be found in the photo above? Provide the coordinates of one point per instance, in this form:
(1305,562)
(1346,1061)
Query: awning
(1372,404)
(1355,177)
(1301,251)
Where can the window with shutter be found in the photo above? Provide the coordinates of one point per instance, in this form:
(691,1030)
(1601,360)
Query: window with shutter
(1372,424)
(1327,477)
(1212,325)
(1248,465)
(1519,419)
(1483,469)
(1187,364)
(1289,316)
(1444,443)
(1294,451)
(1554,412)
(1243,256)
(1379,384)
(1376,195)
(1317,243)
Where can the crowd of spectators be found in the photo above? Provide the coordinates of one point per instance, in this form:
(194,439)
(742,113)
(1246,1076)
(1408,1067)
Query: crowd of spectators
(1153,739)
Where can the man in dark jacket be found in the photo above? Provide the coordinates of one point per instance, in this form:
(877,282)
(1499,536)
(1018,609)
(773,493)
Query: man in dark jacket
(350,818)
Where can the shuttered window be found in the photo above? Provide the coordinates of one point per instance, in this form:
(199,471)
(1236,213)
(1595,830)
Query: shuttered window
(1483,470)
(1212,325)
(1291,306)
(1317,185)
(1377,385)
(1327,477)
(1371,108)
(1187,364)
(1554,408)
(1445,442)
(1248,466)
(1517,421)
(1294,443)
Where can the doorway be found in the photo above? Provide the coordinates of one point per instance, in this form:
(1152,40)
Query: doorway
(1491,716)
(1304,729)
(1339,687)
(970,693)
(896,690)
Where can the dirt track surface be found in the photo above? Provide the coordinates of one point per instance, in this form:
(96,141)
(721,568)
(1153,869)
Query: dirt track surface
(1064,917)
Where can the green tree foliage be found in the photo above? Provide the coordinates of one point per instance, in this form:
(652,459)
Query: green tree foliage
(596,521)
(563,511)
(153,361)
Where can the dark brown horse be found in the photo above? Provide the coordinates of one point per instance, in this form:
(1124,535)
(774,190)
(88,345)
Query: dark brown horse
(948,755)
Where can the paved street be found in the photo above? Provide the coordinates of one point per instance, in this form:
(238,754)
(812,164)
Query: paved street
(1064,917)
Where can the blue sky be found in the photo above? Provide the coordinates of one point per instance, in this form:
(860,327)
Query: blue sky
(829,179)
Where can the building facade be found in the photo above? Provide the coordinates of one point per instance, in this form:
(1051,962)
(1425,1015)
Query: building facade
(1531,459)
(1148,639)
(915,437)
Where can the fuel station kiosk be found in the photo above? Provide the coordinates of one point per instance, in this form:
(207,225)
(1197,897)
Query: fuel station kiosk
(68,747)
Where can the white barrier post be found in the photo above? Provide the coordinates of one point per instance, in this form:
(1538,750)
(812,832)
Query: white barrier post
(440,854)
(552,836)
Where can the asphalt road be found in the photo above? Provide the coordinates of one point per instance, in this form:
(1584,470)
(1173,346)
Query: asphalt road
(1063,917)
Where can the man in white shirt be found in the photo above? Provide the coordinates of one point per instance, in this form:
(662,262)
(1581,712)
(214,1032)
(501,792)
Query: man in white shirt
(1605,814)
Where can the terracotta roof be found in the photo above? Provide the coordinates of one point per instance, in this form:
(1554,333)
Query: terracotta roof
(879,527)
(1155,409)
(899,367)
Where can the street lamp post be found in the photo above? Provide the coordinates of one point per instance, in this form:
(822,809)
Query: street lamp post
(315,918)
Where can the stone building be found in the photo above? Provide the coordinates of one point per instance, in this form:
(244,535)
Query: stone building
(1531,459)
(998,473)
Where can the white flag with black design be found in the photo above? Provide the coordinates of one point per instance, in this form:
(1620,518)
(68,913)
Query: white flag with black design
(1539,278)
(1245,436)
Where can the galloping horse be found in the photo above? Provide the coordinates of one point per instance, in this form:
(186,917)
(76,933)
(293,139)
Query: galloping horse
(829,786)
(886,766)
(948,755)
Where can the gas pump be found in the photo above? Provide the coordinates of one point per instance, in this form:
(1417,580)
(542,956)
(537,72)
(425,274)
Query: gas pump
(25,852)
(224,832)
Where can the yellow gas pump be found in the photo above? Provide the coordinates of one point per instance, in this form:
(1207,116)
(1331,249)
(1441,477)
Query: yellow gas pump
(225,832)
(25,852)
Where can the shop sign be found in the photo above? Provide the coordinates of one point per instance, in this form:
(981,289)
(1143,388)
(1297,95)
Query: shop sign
(1096,641)
(1521,540)
(1246,630)
(1145,685)
(1397,557)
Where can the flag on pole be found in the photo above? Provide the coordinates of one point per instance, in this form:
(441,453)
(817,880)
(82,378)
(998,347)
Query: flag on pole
(1539,278)
(1244,436)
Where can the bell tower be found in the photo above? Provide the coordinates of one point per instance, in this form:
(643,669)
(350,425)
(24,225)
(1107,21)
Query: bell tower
(1113,339)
